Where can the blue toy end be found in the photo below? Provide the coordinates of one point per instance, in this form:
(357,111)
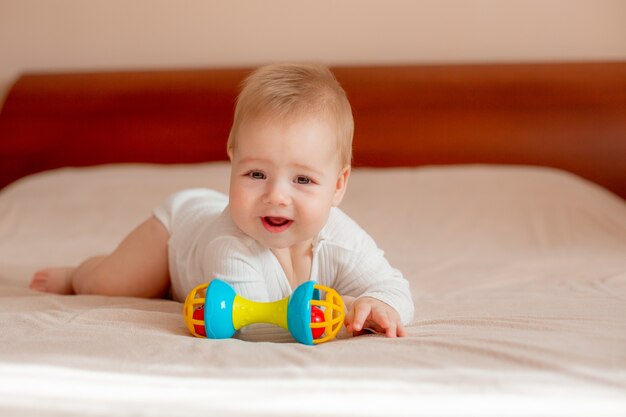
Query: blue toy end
(299,312)
(218,310)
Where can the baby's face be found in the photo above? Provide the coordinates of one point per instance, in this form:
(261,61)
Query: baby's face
(285,177)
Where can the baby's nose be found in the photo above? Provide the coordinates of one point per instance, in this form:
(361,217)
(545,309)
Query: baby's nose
(277,193)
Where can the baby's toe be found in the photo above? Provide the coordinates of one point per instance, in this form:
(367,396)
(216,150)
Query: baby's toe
(37,280)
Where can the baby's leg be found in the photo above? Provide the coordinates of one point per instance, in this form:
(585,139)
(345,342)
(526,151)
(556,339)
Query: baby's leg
(137,268)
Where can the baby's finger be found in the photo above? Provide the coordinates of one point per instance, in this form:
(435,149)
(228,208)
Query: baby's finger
(391,330)
(361,313)
(347,321)
(401,331)
(380,317)
(390,322)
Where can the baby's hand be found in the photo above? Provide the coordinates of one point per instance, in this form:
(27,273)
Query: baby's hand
(368,312)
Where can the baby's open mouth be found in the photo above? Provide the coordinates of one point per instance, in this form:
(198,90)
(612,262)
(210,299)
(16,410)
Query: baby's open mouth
(276,224)
(276,221)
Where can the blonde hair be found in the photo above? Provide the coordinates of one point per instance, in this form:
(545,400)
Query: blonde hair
(293,90)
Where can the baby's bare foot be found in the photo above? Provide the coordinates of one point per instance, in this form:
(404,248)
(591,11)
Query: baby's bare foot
(55,280)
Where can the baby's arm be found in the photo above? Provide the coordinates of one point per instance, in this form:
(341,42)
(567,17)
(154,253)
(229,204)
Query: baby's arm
(370,313)
(383,299)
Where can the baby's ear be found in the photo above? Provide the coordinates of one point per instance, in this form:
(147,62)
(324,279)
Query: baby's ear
(341,185)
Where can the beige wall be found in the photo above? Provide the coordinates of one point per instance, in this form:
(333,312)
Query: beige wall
(58,35)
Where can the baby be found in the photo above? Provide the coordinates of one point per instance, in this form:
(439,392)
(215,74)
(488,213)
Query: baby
(290,149)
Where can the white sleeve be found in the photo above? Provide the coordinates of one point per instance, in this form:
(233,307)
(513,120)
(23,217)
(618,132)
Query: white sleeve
(188,201)
(361,267)
(370,274)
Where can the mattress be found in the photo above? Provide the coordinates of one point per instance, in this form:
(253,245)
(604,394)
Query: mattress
(518,274)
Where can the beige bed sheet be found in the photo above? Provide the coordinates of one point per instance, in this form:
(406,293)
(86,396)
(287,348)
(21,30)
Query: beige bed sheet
(518,275)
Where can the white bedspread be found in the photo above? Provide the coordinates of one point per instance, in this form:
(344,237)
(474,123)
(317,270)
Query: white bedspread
(518,275)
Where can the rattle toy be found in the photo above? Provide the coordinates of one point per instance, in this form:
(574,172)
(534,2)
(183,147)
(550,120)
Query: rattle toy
(215,311)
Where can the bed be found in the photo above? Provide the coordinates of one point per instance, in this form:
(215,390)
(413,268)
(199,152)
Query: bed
(498,190)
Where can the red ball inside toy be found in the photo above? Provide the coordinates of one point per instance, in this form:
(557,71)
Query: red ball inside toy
(317,316)
(198,314)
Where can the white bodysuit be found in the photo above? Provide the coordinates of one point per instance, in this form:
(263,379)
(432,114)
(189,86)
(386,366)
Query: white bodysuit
(205,244)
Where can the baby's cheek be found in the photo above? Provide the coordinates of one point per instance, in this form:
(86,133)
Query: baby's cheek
(317,214)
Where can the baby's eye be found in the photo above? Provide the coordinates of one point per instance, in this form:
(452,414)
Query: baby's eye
(303,180)
(256,175)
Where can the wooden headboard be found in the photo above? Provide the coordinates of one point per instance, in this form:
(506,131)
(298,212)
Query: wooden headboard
(569,115)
